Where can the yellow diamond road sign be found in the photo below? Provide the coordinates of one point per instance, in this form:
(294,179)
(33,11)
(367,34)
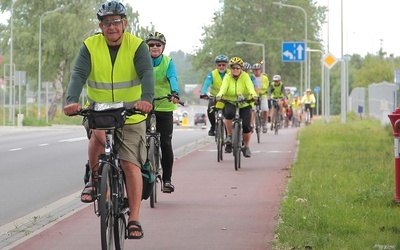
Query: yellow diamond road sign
(330,60)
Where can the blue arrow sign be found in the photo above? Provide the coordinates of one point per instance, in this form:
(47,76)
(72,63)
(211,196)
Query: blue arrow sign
(317,89)
(293,51)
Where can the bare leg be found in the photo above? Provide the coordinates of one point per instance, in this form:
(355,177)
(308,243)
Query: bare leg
(134,186)
(95,147)
(228,125)
(246,139)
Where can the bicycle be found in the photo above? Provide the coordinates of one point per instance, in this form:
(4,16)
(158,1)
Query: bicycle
(237,131)
(219,128)
(308,114)
(111,201)
(153,144)
(277,115)
(258,117)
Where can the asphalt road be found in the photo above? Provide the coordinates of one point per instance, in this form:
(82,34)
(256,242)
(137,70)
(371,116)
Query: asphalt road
(42,174)
(213,207)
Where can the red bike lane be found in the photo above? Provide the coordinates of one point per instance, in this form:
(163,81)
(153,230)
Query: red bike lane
(213,206)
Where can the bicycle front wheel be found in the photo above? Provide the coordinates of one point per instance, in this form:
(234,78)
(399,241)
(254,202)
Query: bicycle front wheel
(236,144)
(258,126)
(154,158)
(106,207)
(276,118)
(220,140)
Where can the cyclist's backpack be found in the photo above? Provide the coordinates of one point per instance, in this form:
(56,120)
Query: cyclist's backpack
(149,178)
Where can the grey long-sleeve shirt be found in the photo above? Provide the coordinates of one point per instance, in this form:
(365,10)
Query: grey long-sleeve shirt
(82,68)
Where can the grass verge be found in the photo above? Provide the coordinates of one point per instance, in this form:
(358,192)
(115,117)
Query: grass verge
(340,190)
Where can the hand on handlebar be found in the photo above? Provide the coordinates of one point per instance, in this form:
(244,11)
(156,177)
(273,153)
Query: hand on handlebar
(72,109)
(205,97)
(143,106)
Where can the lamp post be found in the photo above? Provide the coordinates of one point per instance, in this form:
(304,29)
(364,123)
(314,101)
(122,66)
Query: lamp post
(322,78)
(263,51)
(11,115)
(40,56)
(305,35)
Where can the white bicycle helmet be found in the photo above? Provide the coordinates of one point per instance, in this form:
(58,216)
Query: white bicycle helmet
(276,78)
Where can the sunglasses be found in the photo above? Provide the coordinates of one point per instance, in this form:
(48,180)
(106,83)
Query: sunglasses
(221,65)
(115,22)
(236,68)
(151,45)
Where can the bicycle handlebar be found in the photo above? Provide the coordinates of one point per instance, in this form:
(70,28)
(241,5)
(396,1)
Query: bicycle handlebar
(169,96)
(128,111)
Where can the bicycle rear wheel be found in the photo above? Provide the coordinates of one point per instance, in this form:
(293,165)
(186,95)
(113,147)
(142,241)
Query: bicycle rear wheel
(220,140)
(154,158)
(236,144)
(106,207)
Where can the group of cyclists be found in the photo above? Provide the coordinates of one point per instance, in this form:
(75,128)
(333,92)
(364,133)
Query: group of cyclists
(233,78)
(119,66)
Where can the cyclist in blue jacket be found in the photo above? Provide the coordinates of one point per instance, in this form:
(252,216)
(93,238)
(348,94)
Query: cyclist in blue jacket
(166,82)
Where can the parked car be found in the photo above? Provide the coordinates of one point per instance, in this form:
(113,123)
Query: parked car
(200,118)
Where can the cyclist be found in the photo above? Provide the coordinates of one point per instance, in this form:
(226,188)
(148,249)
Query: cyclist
(248,69)
(263,83)
(237,84)
(127,77)
(288,104)
(166,82)
(276,90)
(214,81)
(296,107)
(308,99)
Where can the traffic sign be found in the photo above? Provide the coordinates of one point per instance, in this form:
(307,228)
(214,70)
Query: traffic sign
(317,89)
(330,60)
(293,51)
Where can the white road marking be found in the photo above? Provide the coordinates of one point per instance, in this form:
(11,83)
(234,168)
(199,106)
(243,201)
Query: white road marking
(15,149)
(74,139)
(43,144)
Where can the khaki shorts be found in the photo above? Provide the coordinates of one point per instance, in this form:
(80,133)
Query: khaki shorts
(130,142)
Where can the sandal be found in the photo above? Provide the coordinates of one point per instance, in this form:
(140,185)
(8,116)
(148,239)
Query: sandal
(168,187)
(89,189)
(136,228)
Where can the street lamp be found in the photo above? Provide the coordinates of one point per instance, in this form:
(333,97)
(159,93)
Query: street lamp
(305,38)
(40,55)
(263,51)
(11,117)
(322,79)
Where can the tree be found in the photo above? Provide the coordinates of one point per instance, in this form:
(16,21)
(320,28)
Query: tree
(258,21)
(62,35)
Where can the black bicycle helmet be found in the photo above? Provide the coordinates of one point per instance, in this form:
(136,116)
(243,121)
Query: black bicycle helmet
(111,8)
(156,36)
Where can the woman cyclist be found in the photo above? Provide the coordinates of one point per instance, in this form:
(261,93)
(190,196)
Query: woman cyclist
(235,84)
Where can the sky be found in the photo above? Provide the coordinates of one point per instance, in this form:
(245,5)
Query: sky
(367,24)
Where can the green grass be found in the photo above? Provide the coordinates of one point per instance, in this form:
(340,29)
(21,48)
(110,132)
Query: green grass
(340,190)
(32,118)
